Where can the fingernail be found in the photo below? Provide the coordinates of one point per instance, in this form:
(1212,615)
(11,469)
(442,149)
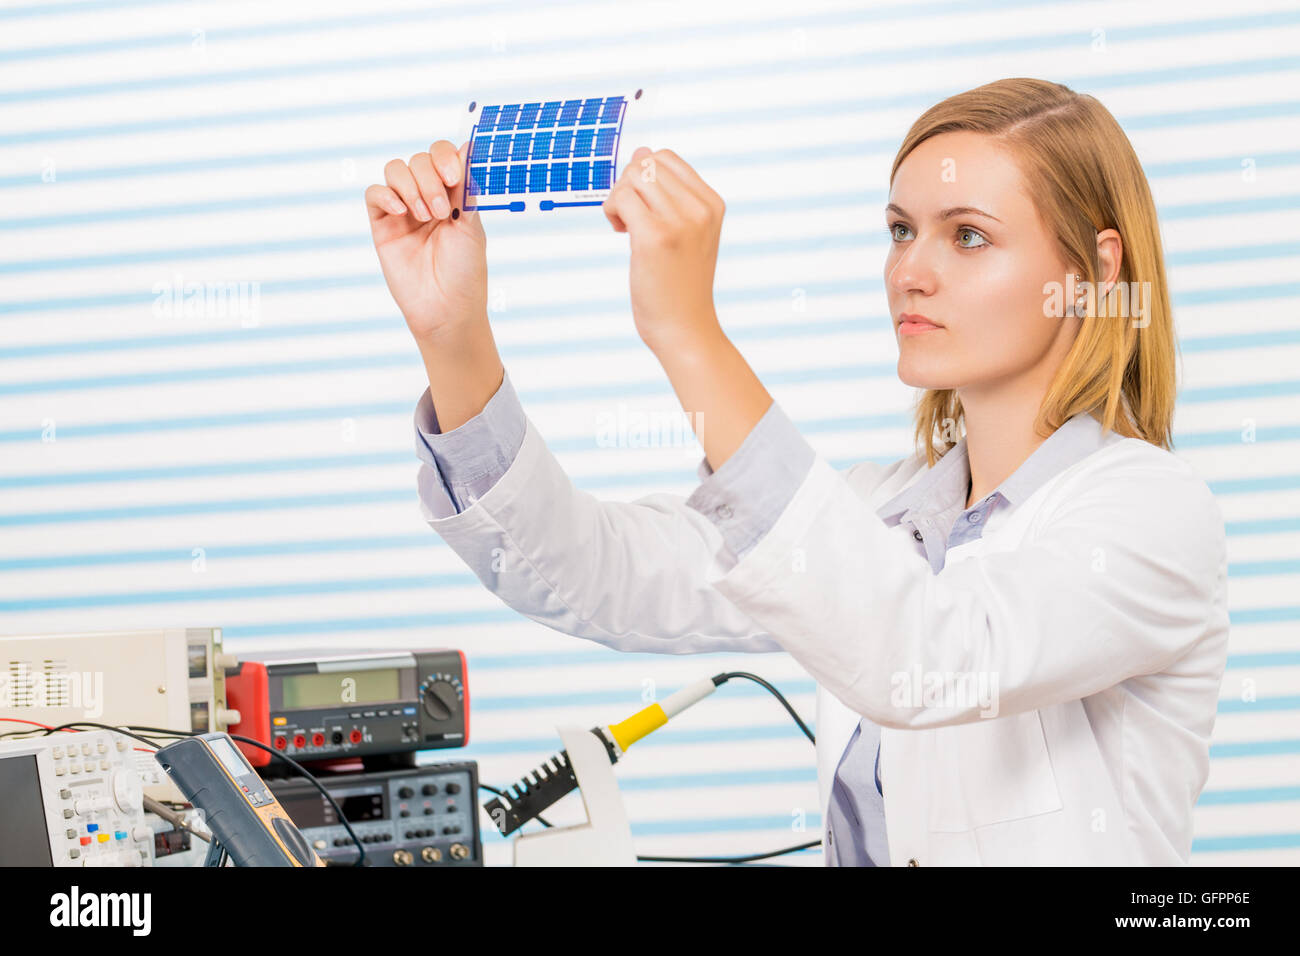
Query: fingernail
(450,175)
(441,207)
(455,213)
(396,208)
(421,210)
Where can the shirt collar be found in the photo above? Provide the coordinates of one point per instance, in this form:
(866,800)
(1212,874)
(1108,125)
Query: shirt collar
(945,484)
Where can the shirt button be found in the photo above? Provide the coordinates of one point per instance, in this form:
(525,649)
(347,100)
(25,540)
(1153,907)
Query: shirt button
(916,534)
(973,517)
(912,862)
(723,511)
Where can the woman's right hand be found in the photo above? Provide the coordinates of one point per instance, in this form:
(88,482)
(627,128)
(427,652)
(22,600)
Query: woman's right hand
(435,266)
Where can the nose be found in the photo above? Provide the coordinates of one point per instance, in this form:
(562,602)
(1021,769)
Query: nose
(911,268)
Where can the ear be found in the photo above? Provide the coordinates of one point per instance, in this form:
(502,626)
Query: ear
(1110,254)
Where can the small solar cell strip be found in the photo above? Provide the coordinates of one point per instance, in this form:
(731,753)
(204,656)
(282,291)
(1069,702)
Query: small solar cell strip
(557,146)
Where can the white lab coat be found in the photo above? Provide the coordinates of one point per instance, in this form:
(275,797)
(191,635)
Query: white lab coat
(1099,604)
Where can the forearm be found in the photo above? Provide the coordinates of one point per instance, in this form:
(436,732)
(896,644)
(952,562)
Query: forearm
(464,370)
(722,396)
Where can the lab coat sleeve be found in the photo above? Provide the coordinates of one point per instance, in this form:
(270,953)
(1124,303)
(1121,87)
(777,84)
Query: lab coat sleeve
(1124,576)
(470,459)
(746,495)
(629,575)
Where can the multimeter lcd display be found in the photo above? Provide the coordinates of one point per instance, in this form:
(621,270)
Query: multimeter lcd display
(336,688)
(229,757)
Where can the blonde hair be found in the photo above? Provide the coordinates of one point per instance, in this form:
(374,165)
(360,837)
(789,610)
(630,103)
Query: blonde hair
(1083,176)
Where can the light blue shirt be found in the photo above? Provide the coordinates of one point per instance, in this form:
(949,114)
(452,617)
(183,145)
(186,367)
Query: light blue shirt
(744,498)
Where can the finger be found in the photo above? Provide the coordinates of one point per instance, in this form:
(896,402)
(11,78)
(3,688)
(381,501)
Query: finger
(689,179)
(450,164)
(655,185)
(625,209)
(398,176)
(382,201)
(430,183)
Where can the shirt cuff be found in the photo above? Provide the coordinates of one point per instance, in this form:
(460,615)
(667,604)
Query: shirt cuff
(749,492)
(468,460)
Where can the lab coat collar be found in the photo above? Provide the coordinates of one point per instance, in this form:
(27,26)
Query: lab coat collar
(944,486)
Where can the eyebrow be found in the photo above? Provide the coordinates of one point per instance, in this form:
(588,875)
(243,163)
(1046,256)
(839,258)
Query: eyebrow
(946,213)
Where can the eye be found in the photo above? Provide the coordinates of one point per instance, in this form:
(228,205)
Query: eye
(967,231)
(893,226)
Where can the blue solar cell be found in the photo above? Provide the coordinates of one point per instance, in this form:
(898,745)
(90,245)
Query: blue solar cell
(518,179)
(477,177)
(541,145)
(613,109)
(580,175)
(602,174)
(501,148)
(520,147)
(559,177)
(528,116)
(549,112)
(582,142)
(479,151)
(605,140)
(591,111)
(497,180)
(508,114)
(488,118)
(569,115)
(561,147)
(537,177)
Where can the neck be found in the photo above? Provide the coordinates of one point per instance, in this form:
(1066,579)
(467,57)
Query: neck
(999,436)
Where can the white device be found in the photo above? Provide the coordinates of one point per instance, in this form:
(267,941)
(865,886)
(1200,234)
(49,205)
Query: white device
(172,678)
(72,799)
(606,838)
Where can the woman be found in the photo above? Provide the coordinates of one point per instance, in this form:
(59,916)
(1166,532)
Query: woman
(1018,632)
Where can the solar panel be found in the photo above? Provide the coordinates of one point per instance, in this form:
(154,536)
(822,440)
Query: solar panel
(545,154)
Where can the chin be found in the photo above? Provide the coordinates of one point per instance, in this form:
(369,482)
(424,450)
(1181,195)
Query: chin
(921,375)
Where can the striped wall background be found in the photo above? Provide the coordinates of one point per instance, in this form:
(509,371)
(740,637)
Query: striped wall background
(253,467)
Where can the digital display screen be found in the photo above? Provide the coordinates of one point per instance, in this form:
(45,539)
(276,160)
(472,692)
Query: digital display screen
(24,838)
(339,688)
(310,809)
(229,757)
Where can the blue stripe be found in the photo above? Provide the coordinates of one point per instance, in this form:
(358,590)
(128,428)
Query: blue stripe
(736,250)
(1253,841)
(317,199)
(397,17)
(401,357)
(297,331)
(1220,798)
(352,499)
(1254,748)
(316,546)
(262,466)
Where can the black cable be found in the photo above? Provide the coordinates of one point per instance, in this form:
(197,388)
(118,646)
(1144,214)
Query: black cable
(718,681)
(721,679)
(730,859)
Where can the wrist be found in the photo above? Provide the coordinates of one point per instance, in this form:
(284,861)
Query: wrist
(698,342)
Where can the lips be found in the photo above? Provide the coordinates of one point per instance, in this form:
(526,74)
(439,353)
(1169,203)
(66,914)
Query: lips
(917,319)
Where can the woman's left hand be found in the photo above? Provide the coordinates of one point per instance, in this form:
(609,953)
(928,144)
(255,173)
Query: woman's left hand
(673,219)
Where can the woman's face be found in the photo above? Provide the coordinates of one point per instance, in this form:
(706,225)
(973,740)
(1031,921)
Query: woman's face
(968,252)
